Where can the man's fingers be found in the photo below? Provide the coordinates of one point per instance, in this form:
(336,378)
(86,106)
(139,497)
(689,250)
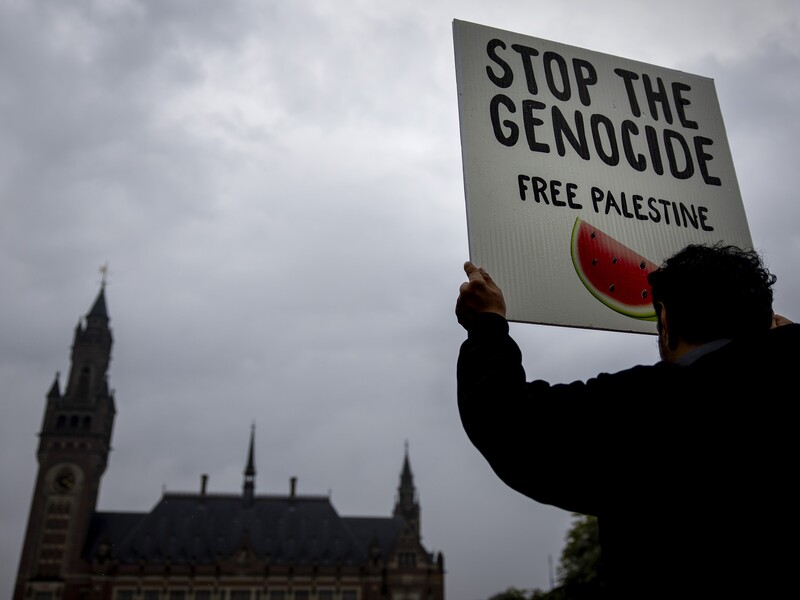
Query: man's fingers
(477,295)
(475,273)
(471,270)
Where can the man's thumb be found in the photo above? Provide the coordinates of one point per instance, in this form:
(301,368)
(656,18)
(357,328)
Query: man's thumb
(472,271)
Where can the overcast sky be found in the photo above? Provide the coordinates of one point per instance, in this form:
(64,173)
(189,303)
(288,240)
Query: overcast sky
(276,188)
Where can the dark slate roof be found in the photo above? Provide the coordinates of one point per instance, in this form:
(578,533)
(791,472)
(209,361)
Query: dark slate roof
(108,528)
(193,527)
(382,530)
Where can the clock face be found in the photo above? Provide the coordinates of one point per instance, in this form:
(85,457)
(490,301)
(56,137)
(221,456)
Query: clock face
(64,481)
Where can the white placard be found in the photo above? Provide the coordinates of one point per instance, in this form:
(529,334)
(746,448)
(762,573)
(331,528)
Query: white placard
(553,136)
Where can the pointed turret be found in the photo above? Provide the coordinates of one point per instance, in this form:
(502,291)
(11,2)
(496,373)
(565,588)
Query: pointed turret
(249,487)
(55,389)
(407,503)
(99,310)
(91,355)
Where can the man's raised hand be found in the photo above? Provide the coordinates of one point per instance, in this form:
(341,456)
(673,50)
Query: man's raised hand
(479,294)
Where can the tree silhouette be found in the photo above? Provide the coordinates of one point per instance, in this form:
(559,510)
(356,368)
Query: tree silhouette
(578,571)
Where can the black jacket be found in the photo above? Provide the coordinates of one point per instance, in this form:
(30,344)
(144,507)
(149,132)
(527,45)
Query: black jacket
(691,470)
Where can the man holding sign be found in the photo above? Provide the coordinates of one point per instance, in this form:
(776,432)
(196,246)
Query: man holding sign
(683,462)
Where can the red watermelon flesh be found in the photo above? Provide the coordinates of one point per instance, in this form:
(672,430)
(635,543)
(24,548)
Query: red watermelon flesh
(612,272)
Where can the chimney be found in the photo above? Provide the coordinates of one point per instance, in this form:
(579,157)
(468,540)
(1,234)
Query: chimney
(203,483)
(292,486)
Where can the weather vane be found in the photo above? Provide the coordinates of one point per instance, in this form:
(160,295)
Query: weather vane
(104,274)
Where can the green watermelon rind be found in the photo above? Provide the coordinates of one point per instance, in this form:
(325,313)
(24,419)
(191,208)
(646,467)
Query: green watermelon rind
(646,313)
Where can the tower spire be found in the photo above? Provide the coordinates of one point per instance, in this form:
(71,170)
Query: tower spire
(407,503)
(91,355)
(250,470)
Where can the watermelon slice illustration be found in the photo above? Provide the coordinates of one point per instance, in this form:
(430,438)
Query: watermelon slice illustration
(612,272)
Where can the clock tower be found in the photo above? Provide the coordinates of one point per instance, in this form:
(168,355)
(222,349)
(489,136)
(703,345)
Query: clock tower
(74,443)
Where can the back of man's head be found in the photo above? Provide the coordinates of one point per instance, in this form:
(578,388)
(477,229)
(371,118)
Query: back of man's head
(713,292)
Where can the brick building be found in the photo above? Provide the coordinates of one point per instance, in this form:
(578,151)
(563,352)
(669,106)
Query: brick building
(197,546)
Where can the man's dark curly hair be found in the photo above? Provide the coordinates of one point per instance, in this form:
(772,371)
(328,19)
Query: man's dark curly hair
(713,292)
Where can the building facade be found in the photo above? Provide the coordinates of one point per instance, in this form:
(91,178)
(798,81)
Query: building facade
(197,546)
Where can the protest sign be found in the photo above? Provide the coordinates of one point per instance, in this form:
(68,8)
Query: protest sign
(584,171)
